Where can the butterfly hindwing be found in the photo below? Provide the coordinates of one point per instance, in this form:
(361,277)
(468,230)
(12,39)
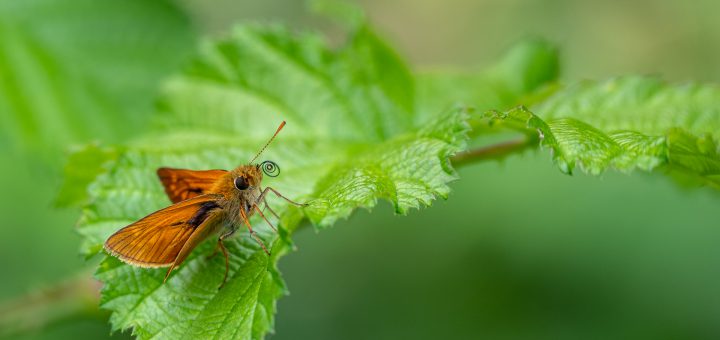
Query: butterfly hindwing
(181,184)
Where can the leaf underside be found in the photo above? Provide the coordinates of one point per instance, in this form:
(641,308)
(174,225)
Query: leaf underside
(626,124)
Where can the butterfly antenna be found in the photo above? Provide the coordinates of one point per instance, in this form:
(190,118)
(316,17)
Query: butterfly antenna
(268,142)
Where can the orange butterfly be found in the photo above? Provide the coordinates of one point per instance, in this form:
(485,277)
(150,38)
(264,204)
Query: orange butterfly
(206,202)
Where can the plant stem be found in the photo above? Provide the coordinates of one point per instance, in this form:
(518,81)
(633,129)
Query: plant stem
(79,295)
(495,151)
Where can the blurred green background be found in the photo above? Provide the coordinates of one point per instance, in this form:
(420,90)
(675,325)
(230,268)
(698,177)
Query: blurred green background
(518,251)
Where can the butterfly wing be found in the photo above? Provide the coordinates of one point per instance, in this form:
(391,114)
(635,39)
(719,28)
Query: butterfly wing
(157,239)
(181,184)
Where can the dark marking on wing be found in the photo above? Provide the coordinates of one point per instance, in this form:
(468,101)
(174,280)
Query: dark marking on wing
(202,213)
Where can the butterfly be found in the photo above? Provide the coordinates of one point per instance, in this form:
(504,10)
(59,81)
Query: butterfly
(205,203)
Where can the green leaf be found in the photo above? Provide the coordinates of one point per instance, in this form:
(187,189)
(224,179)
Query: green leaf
(350,141)
(82,167)
(77,70)
(525,70)
(629,123)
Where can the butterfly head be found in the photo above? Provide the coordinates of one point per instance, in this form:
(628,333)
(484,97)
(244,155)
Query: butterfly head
(247,177)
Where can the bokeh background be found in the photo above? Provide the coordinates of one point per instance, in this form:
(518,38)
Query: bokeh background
(518,251)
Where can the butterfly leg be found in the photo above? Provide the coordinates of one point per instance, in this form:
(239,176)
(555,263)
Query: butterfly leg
(265,191)
(215,252)
(270,209)
(227,234)
(252,232)
(227,258)
(255,206)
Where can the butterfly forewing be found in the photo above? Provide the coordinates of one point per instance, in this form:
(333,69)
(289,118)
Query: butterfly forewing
(181,184)
(156,240)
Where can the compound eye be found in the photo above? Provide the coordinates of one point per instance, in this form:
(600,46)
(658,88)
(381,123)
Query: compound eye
(241,183)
